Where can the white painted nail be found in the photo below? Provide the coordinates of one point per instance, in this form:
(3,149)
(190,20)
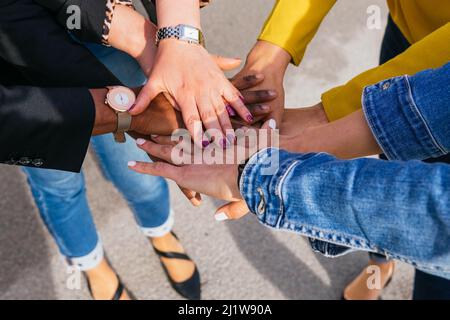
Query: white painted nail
(154,136)
(132,163)
(221,216)
(140,141)
(272,124)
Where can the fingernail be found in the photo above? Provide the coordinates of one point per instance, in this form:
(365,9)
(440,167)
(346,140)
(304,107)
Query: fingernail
(250,77)
(132,107)
(205,143)
(271,93)
(231,138)
(264,107)
(249,118)
(230,110)
(154,136)
(272,124)
(224,143)
(221,216)
(132,163)
(140,141)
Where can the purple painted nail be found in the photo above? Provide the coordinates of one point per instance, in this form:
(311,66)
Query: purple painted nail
(205,143)
(250,118)
(224,143)
(230,110)
(231,138)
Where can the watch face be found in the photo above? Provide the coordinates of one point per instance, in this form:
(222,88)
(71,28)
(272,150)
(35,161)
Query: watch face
(189,33)
(121,99)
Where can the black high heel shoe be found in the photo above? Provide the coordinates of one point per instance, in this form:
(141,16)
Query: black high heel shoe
(119,291)
(190,288)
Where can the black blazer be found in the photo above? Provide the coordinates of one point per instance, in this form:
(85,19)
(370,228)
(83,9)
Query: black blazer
(46,111)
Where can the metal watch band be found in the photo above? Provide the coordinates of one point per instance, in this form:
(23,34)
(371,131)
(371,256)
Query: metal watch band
(177,33)
(123,125)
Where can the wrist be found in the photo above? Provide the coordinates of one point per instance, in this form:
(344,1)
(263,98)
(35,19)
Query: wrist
(105,117)
(132,33)
(174,12)
(268,58)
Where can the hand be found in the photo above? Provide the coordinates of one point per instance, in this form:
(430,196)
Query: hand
(271,61)
(197,85)
(218,180)
(158,119)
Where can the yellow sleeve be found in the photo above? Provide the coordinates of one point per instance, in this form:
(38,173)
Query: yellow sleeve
(432,51)
(293,23)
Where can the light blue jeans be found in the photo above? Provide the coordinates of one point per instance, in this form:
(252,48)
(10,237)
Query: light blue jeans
(61,196)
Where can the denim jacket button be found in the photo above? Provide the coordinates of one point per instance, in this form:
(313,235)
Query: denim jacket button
(262,202)
(386,86)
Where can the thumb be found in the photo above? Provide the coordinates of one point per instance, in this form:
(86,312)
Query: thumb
(225,63)
(232,211)
(146,95)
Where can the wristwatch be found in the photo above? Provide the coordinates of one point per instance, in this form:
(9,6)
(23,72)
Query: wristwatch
(181,32)
(120,99)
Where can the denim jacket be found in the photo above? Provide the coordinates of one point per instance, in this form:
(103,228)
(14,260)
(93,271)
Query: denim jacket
(396,208)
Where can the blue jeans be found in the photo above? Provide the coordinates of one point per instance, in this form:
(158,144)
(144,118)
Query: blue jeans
(61,196)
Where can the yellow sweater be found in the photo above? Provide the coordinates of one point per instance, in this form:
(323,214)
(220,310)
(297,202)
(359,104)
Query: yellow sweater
(425,23)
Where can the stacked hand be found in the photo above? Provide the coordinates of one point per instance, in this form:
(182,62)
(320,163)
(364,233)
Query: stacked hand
(220,180)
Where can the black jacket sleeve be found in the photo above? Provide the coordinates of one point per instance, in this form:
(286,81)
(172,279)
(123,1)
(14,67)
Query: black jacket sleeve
(46,111)
(92,18)
(45,127)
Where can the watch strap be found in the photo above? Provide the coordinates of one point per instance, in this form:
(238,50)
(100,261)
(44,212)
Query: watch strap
(176,33)
(123,125)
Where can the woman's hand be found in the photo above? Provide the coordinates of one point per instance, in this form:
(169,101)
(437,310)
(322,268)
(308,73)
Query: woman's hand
(219,180)
(271,61)
(197,85)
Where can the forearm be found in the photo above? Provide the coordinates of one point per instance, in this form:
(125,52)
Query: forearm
(382,206)
(174,12)
(431,52)
(105,118)
(132,33)
(45,127)
(346,138)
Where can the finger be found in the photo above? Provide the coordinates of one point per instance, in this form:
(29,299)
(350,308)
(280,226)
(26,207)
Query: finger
(225,63)
(159,169)
(232,211)
(247,81)
(194,197)
(259,109)
(236,100)
(191,118)
(225,122)
(210,120)
(164,140)
(161,151)
(259,96)
(146,95)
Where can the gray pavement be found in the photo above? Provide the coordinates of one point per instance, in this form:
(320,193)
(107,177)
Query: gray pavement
(237,260)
